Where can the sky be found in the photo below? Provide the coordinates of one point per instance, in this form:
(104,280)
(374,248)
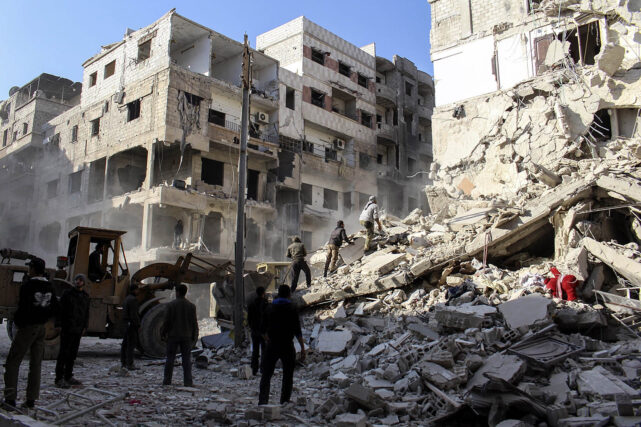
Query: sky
(57,36)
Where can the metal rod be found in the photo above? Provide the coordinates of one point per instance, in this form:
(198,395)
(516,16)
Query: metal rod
(240,217)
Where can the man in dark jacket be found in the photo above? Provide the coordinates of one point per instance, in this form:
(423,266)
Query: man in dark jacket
(74,319)
(336,239)
(132,319)
(37,303)
(296,251)
(255,315)
(280,327)
(95,270)
(180,329)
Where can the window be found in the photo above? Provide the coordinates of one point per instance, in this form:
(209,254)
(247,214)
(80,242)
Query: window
(55,140)
(105,108)
(379,119)
(347,201)
(133,110)
(193,100)
(318,98)
(52,189)
(318,56)
(362,80)
(216,117)
(25,128)
(408,88)
(308,146)
(144,50)
(74,133)
(5,136)
(379,159)
(330,199)
(95,127)
(75,180)
(409,118)
(252,184)
(395,118)
(344,69)
(363,160)
(420,136)
(93,78)
(366,119)
(306,194)
(411,165)
(110,69)
(213,172)
(331,154)
(290,100)
(15,135)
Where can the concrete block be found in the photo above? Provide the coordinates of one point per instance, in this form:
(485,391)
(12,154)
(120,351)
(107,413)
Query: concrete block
(245,372)
(598,382)
(382,264)
(334,342)
(254,413)
(610,58)
(507,367)
(423,331)
(340,379)
(439,376)
(350,420)
(526,310)
(596,421)
(271,412)
(459,317)
(350,364)
(420,267)
(364,396)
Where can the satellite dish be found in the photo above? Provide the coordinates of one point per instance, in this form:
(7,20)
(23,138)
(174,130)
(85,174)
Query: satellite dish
(13,90)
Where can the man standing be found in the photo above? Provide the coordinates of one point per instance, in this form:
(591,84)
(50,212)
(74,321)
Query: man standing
(255,317)
(336,239)
(367,218)
(279,329)
(178,234)
(132,319)
(95,271)
(37,303)
(74,319)
(180,329)
(296,251)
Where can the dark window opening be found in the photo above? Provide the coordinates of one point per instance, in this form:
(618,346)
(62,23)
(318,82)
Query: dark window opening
(308,146)
(55,140)
(379,159)
(290,98)
(74,133)
(25,128)
(395,118)
(379,118)
(362,80)
(408,88)
(15,135)
(193,100)
(212,231)
(398,158)
(627,119)
(5,137)
(252,184)
(420,136)
(344,69)
(363,160)
(95,127)
(212,172)
(408,122)
(331,154)
(306,194)
(366,119)
(133,110)
(330,199)
(318,56)
(590,42)
(362,199)
(378,79)
(52,189)
(318,98)
(75,180)
(93,78)
(110,69)
(216,117)
(601,127)
(144,50)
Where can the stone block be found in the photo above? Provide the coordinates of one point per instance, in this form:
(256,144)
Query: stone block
(459,317)
(420,267)
(340,379)
(507,367)
(382,264)
(526,311)
(254,413)
(364,396)
(271,412)
(350,420)
(245,372)
(598,382)
(423,331)
(334,342)
(439,376)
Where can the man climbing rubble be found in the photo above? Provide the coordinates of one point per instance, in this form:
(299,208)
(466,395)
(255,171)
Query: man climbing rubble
(367,218)
(296,251)
(336,239)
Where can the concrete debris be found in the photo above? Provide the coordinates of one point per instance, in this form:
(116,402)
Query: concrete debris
(526,311)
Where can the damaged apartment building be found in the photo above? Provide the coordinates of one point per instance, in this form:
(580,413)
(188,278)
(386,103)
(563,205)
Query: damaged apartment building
(151,136)
(352,124)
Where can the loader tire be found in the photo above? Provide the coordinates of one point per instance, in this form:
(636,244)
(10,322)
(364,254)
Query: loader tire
(150,340)
(52,339)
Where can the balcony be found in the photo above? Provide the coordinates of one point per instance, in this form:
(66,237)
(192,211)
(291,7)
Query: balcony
(385,96)
(424,114)
(385,131)
(388,172)
(229,136)
(424,148)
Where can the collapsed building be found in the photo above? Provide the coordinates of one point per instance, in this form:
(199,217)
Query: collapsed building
(151,136)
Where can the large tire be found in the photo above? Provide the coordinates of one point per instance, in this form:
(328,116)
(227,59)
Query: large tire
(52,339)
(150,340)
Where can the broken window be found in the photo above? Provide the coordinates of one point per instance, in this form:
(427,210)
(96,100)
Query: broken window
(318,98)
(52,189)
(408,88)
(133,110)
(213,172)
(193,100)
(5,137)
(306,194)
(95,127)
(363,160)
(379,120)
(366,119)
(626,119)
(601,127)
(331,154)
(212,231)
(216,117)
(75,180)
(585,46)
(308,146)
(290,100)
(318,56)
(252,184)
(93,78)
(330,199)
(344,69)
(25,128)
(144,50)
(74,133)
(110,69)
(362,80)
(420,136)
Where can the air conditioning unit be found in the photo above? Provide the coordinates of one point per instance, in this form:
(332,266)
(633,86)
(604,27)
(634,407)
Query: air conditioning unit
(119,97)
(339,144)
(262,117)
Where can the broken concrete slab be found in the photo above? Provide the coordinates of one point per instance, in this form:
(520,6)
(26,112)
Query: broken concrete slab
(350,420)
(383,264)
(599,382)
(441,377)
(506,367)
(334,342)
(463,316)
(424,331)
(610,58)
(364,396)
(471,217)
(526,310)
(419,268)
(623,265)
(594,282)
(352,253)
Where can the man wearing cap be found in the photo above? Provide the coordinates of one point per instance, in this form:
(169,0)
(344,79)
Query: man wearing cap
(73,319)
(132,319)
(37,303)
(296,251)
(367,218)
(336,239)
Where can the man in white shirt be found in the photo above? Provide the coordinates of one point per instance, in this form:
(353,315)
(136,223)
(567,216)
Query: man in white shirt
(367,218)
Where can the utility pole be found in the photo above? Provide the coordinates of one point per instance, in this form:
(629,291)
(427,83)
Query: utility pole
(239,294)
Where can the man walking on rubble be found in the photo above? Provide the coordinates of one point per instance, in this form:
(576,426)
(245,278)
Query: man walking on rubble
(280,327)
(180,329)
(336,239)
(367,218)
(132,319)
(74,319)
(255,316)
(296,251)
(37,303)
